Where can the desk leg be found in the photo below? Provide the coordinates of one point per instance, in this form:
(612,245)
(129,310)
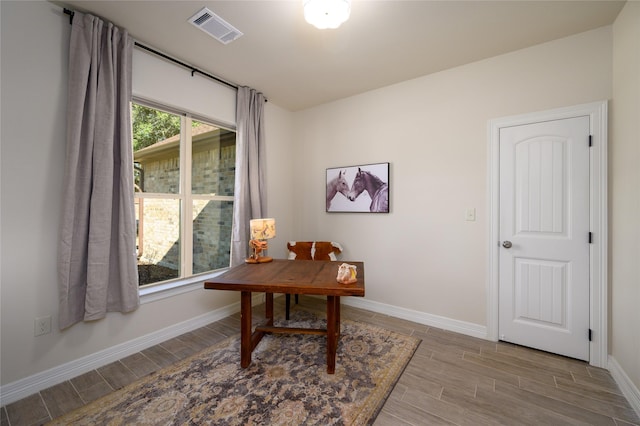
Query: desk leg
(337,320)
(269,308)
(333,319)
(245,329)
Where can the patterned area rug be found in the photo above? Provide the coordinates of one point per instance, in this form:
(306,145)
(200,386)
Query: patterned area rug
(286,383)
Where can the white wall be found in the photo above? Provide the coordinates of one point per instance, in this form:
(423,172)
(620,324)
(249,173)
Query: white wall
(624,182)
(34,61)
(279,171)
(424,256)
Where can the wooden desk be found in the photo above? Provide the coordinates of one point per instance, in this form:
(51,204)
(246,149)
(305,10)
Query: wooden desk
(289,277)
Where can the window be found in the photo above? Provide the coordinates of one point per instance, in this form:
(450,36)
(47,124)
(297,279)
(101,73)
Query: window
(184,172)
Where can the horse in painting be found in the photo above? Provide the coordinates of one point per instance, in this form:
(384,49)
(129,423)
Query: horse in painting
(377,189)
(335,185)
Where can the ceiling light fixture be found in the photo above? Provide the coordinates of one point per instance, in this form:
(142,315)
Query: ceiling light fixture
(326,13)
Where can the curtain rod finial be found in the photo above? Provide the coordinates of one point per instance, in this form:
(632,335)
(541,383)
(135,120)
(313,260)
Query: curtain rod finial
(70,13)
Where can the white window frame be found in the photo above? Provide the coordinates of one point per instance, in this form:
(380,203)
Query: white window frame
(187,282)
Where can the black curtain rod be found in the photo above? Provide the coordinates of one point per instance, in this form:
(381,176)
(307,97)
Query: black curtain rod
(162,55)
(193,70)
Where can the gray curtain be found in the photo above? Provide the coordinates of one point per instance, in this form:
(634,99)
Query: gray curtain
(97,262)
(250,196)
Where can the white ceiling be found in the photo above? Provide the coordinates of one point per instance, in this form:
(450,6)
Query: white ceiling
(298,66)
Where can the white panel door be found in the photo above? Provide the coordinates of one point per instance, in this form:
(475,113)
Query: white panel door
(544,236)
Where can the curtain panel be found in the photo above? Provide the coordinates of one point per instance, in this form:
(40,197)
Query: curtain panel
(250,187)
(97,261)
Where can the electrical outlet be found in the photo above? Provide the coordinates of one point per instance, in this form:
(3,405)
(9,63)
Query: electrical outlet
(43,325)
(470,215)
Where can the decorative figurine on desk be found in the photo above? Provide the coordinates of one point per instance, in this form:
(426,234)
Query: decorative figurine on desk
(261,230)
(347,274)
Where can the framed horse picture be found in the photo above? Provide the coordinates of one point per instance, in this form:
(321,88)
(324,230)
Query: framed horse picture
(358,189)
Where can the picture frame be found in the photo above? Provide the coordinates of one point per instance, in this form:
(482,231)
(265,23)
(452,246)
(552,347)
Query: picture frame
(358,189)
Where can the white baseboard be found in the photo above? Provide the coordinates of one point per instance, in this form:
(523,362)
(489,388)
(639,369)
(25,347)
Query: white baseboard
(22,388)
(626,385)
(462,327)
(17,390)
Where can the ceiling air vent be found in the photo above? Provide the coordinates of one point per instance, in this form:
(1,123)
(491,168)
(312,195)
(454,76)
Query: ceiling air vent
(215,26)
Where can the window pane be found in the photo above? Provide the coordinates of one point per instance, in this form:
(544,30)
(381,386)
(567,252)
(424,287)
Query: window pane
(211,234)
(163,214)
(213,159)
(156,150)
(158,239)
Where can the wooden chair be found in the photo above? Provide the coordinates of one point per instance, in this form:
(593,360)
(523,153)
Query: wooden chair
(310,250)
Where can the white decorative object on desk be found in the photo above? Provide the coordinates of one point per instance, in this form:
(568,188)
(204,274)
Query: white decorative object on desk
(347,274)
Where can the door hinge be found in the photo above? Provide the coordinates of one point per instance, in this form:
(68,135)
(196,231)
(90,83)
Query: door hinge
(590,334)
(590,140)
(590,237)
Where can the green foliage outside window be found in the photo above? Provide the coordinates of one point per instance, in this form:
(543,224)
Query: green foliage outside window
(151,126)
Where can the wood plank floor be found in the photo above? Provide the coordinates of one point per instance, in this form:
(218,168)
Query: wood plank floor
(451,380)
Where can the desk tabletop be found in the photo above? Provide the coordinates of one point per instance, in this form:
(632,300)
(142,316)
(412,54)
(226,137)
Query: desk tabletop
(289,276)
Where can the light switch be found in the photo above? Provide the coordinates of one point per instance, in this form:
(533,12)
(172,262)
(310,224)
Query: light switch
(470,215)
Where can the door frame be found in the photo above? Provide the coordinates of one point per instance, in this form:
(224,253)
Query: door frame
(598,289)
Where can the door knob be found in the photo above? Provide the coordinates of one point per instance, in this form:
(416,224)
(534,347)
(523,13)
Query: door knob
(507,244)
